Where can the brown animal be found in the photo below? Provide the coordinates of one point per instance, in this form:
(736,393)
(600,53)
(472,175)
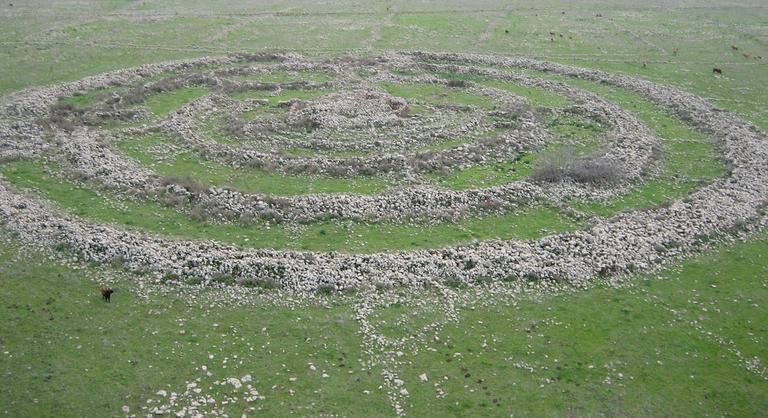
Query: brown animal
(734,47)
(717,71)
(675,51)
(747,56)
(106,293)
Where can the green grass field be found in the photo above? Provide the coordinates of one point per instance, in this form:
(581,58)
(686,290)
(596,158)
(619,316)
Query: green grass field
(688,340)
(651,348)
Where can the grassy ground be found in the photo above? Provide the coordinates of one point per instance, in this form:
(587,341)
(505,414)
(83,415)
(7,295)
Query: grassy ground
(649,350)
(578,136)
(163,103)
(652,348)
(536,96)
(354,237)
(69,354)
(672,344)
(437,94)
(152,151)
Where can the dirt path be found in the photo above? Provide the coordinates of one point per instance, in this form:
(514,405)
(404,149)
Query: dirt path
(226,30)
(492,25)
(375,36)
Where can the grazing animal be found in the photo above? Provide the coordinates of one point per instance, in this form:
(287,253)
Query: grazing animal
(747,56)
(717,71)
(675,51)
(106,293)
(734,47)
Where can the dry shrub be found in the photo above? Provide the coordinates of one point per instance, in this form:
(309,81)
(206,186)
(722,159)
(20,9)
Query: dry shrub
(403,112)
(563,165)
(234,126)
(306,124)
(65,116)
(492,204)
(457,83)
(258,57)
(271,215)
(246,218)
(197,214)
(259,283)
(187,182)
(337,171)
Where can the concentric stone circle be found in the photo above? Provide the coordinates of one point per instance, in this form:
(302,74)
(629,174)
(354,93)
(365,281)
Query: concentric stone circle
(631,147)
(626,242)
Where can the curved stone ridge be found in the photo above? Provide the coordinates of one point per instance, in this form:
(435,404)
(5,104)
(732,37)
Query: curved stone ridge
(87,152)
(627,242)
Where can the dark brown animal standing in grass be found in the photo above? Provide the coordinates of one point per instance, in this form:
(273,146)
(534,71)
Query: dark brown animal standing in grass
(106,293)
(717,71)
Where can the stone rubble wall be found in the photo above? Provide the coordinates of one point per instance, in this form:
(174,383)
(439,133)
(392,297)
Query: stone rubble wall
(627,242)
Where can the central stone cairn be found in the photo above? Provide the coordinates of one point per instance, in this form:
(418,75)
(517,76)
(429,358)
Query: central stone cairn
(349,110)
(350,127)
